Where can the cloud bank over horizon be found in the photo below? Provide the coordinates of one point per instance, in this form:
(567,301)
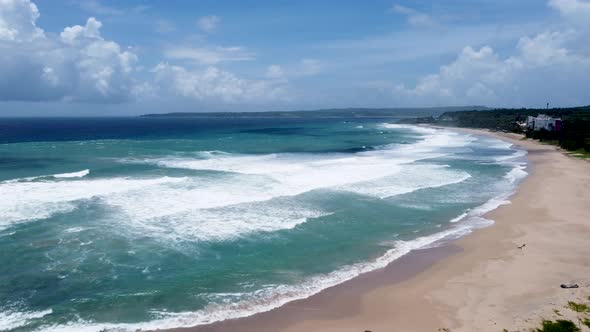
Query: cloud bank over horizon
(203,65)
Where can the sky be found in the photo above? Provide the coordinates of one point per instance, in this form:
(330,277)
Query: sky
(100,57)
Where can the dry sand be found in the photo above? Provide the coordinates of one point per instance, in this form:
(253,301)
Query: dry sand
(481,282)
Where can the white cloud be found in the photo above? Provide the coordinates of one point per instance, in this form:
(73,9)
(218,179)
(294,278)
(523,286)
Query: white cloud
(209,55)
(549,66)
(17,21)
(545,48)
(576,10)
(303,68)
(91,30)
(79,65)
(214,84)
(414,45)
(208,23)
(414,17)
(576,15)
(541,69)
(454,80)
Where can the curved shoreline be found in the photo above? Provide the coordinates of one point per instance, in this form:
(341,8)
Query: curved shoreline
(435,241)
(402,268)
(475,282)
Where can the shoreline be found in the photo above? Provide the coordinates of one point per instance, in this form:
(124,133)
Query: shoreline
(449,286)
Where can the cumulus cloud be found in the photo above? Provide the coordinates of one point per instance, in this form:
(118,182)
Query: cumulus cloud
(549,66)
(540,69)
(214,84)
(208,23)
(17,21)
(79,65)
(77,32)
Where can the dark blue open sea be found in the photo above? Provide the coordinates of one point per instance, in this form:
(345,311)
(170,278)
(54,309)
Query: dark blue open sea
(144,223)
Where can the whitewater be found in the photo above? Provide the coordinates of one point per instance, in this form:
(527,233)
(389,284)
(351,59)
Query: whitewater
(224,221)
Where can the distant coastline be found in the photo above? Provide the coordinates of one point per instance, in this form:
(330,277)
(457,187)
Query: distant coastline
(325,113)
(572,135)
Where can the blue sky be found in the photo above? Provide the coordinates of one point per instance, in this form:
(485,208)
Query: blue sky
(130,57)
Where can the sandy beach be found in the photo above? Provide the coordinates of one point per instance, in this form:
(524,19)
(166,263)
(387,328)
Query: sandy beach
(480,282)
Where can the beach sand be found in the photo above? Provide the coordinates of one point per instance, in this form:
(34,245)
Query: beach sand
(481,282)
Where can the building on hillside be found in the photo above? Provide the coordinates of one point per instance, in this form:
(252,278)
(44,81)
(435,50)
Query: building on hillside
(543,121)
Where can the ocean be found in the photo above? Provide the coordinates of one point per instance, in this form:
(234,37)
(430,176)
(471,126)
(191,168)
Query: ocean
(144,223)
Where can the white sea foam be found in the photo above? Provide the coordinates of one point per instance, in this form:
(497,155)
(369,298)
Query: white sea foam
(459,217)
(10,320)
(270,297)
(25,201)
(418,129)
(409,179)
(74,230)
(227,205)
(517,154)
(492,143)
(223,223)
(238,204)
(187,208)
(79,174)
(293,174)
(513,177)
(434,143)
(276,296)
(297,173)
(242,204)
(516,174)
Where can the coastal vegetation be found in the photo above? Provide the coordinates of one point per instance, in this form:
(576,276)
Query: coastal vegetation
(559,325)
(577,307)
(574,136)
(581,311)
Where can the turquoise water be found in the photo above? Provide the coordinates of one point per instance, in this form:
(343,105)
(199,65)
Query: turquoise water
(154,223)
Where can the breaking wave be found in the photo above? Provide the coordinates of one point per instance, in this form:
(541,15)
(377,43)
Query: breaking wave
(231,195)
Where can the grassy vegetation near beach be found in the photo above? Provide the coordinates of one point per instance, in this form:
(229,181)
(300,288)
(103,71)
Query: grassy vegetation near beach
(574,318)
(560,324)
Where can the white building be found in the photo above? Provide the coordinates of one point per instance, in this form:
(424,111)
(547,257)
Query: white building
(543,121)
